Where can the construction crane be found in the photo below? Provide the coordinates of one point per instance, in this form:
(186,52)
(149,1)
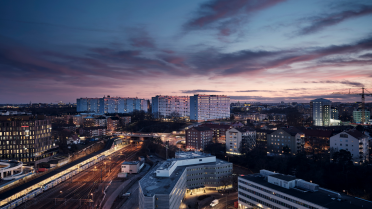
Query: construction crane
(363,94)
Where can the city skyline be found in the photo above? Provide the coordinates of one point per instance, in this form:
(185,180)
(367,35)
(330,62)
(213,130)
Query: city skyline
(256,51)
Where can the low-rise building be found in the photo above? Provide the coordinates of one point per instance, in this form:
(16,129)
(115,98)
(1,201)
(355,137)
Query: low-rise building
(270,190)
(165,186)
(198,137)
(93,131)
(240,140)
(131,166)
(279,140)
(354,141)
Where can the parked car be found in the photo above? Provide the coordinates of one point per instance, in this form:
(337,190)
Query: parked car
(126,194)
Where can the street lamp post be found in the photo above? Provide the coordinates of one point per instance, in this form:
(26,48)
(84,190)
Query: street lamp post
(226,201)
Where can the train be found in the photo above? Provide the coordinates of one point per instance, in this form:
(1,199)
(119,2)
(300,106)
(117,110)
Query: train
(17,202)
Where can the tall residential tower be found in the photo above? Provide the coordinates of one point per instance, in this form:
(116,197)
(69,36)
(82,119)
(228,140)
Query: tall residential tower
(321,111)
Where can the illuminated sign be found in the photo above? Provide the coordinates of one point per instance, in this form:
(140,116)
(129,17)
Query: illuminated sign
(25,126)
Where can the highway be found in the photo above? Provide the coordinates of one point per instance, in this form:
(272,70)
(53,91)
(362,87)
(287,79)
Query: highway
(78,192)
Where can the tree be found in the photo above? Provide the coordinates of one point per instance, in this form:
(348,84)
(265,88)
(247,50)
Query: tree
(232,117)
(286,150)
(342,157)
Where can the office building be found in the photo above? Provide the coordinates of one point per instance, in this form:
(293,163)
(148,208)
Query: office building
(209,107)
(270,190)
(321,112)
(282,138)
(354,141)
(26,138)
(170,106)
(240,140)
(165,186)
(357,116)
(198,137)
(111,105)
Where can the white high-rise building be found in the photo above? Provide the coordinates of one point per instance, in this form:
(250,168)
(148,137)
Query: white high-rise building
(209,107)
(170,106)
(321,111)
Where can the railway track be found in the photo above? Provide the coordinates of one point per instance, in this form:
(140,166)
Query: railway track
(74,193)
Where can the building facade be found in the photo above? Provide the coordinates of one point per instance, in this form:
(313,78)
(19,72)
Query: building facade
(278,140)
(198,137)
(25,138)
(165,186)
(131,166)
(358,114)
(321,111)
(113,123)
(270,190)
(354,141)
(219,131)
(240,140)
(170,106)
(209,107)
(111,105)
(317,141)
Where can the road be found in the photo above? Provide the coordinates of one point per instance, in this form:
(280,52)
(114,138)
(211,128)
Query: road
(222,202)
(76,193)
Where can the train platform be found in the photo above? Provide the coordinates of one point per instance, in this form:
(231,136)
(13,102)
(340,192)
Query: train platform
(13,191)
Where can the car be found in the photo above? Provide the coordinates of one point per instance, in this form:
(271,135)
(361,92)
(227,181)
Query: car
(214,203)
(126,194)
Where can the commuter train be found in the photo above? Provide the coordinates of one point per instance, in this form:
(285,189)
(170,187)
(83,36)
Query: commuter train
(51,184)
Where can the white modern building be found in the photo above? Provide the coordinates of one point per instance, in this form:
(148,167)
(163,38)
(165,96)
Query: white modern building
(321,111)
(209,107)
(239,139)
(131,166)
(354,141)
(170,106)
(165,186)
(270,190)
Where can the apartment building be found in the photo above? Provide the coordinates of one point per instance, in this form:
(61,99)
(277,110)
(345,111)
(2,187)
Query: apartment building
(219,131)
(317,141)
(209,107)
(321,111)
(240,140)
(261,137)
(170,106)
(354,141)
(113,123)
(292,138)
(165,186)
(270,190)
(198,137)
(26,138)
(111,105)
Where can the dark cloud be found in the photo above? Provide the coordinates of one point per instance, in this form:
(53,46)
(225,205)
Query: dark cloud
(346,82)
(320,22)
(197,91)
(302,98)
(256,91)
(297,89)
(226,16)
(368,55)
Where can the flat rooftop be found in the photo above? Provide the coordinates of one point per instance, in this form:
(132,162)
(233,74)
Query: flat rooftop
(284,177)
(130,163)
(152,184)
(321,197)
(190,155)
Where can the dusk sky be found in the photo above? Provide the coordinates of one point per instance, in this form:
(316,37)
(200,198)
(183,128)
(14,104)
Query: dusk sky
(250,50)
